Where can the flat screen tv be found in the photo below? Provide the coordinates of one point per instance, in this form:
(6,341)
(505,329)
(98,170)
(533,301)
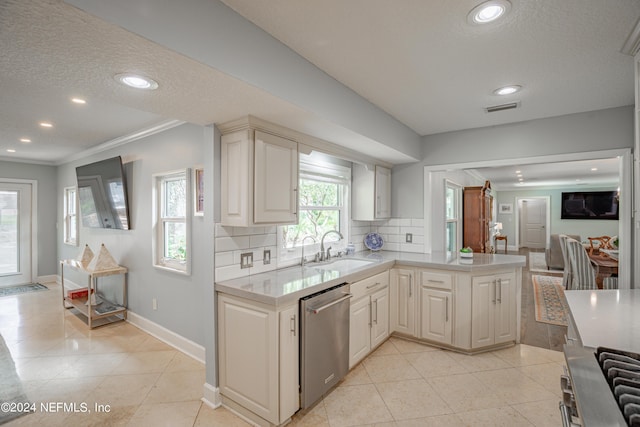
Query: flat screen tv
(590,205)
(102,191)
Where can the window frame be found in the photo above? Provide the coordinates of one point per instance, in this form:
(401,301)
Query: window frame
(67,228)
(321,172)
(457,218)
(160,220)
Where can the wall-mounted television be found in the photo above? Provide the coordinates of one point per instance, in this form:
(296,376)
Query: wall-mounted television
(590,205)
(102,191)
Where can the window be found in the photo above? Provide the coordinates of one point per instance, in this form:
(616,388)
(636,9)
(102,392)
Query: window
(323,195)
(71,216)
(453,198)
(172,224)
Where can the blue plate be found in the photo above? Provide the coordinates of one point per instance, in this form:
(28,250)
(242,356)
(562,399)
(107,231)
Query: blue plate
(373,241)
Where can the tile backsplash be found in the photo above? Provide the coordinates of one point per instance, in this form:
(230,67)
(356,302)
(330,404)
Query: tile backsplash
(231,242)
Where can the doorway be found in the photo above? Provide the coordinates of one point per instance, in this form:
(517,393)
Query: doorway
(532,222)
(15,233)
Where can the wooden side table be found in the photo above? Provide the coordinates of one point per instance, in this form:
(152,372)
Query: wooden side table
(500,237)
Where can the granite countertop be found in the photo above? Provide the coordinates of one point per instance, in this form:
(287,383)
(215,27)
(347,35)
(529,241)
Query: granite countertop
(285,286)
(608,318)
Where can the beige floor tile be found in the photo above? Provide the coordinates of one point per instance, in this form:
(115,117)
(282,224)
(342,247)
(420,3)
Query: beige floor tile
(544,413)
(219,417)
(93,365)
(65,389)
(111,417)
(181,363)
(313,417)
(412,399)
(479,362)
(123,390)
(389,368)
(493,417)
(144,362)
(385,349)
(358,375)
(177,387)
(407,346)
(435,363)
(450,420)
(356,405)
(150,343)
(40,418)
(513,386)
(547,375)
(176,414)
(525,355)
(464,392)
(42,368)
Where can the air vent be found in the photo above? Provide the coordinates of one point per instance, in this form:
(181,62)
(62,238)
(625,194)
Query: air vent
(502,107)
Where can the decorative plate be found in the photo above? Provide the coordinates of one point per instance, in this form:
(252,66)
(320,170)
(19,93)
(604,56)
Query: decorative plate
(373,241)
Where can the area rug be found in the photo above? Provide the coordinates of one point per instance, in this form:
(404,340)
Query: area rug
(550,303)
(538,263)
(21,289)
(14,401)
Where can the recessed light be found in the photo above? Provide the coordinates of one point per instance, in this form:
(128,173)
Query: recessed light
(518,171)
(488,11)
(136,81)
(46,124)
(594,169)
(25,140)
(519,175)
(78,101)
(507,90)
(10,150)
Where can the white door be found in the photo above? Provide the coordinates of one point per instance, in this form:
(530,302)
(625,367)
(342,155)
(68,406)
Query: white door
(534,221)
(15,233)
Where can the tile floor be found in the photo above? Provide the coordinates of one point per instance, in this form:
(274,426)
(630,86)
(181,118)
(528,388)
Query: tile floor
(147,383)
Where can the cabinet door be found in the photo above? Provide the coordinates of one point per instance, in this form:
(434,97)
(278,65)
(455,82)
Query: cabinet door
(483,306)
(359,330)
(275,180)
(289,363)
(435,314)
(236,170)
(402,301)
(248,356)
(383,192)
(505,322)
(379,317)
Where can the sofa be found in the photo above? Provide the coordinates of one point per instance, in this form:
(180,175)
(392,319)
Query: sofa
(553,254)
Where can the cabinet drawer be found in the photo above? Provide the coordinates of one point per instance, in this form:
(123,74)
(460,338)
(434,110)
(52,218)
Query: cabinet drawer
(437,280)
(369,285)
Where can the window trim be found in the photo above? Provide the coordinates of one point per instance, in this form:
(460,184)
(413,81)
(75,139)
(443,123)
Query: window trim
(67,218)
(457,220)
(158,243)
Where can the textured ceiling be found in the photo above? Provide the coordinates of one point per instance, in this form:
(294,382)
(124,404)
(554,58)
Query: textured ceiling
(421,61)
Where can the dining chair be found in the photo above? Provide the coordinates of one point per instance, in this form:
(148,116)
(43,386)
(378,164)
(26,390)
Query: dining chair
(566,272)
(583,271)
(602,242)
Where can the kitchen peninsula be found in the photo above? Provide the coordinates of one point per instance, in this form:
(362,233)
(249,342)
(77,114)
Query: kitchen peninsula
(466,305)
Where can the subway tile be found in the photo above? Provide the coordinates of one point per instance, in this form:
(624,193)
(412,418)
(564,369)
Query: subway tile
(417,222)
(411,247)
(393,222)
(222,231)
(256,241)
(224,258)
(224,244)
(389,230)
(261,268)
(405,222)
(230,272)
(391,247)
(416,231)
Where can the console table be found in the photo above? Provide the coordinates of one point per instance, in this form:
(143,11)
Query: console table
(501,237)
(104,311)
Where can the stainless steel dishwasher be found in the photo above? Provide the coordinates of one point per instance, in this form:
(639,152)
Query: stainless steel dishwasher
(324,342)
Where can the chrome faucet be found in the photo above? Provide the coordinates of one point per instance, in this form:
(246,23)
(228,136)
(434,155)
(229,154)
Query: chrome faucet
(325,256)
(303,261)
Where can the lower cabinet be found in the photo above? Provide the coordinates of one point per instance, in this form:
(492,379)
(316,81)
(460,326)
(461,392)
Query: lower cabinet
(403,301)
(258,357)
(493,306)
(369,316)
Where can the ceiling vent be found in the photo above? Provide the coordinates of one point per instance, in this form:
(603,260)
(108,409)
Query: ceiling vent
(502,107)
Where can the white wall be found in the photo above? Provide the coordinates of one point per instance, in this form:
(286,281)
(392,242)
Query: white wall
(47,200)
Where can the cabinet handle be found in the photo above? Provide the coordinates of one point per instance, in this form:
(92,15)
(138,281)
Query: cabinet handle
(295,197)
(292,324)
(500,291)
(376,318)
(370,314)
(374,285)
(446,309)
(435,281)
(494,292)
(410,285)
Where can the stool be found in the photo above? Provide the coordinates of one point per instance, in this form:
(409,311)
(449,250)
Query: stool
(500,237)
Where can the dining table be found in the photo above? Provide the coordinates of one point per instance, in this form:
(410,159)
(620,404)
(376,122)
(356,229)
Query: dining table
(607,265)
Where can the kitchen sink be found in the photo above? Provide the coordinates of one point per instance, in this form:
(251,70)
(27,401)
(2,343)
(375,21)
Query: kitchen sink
(342,264)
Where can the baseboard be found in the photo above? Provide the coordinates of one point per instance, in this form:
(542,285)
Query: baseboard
(68,284)
(49,278)
(176,341)
(211,396)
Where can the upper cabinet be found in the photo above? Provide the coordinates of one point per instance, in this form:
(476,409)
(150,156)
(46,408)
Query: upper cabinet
(371,193)
(259,178)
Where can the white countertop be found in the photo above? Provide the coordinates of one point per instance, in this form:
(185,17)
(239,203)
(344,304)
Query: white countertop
(284,286)
(609,318)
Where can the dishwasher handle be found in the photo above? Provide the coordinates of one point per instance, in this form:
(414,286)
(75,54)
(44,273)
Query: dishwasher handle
(332,303)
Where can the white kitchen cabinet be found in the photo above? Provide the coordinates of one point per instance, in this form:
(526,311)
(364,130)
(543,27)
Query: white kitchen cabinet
(493,309)
(402,301)
(258,357)
(369,316)
(259,179)
(371,192)
(436,307)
